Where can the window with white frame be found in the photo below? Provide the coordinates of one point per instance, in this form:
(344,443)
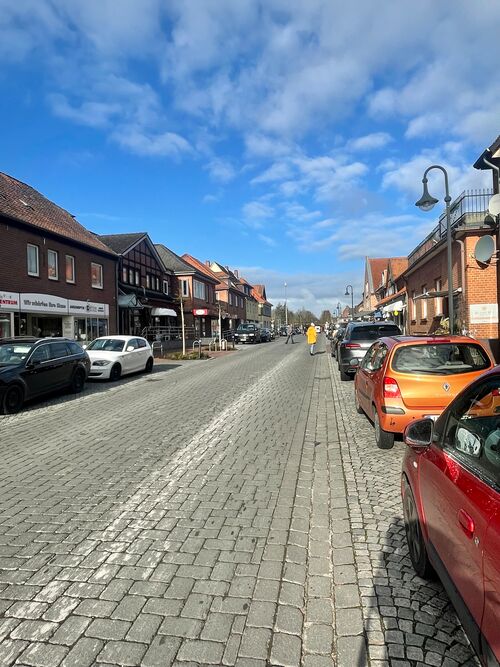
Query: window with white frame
(424,303)
(70,269)
(165,287)
(96,274)
(137,277)
(438,301)
(199,289)
(413,306)
(33,260)
(148,281)
(124,274)
(52,268)
(184,287)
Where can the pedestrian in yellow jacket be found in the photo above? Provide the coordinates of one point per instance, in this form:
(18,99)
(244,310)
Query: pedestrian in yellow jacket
(312,337)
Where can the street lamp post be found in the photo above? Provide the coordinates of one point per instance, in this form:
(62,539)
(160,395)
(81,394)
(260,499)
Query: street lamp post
(286,309)
(426,203)
(338,309)
(352,298)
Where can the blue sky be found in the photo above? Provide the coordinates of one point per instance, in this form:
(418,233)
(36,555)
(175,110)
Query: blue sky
(284,138)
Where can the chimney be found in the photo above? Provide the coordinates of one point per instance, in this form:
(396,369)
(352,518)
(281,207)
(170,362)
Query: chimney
(236,273)
(207,263)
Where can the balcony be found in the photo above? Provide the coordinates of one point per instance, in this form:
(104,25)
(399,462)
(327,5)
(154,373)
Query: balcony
(468,210)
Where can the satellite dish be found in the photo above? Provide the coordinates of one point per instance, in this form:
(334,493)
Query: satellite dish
(484,249)
(494,205)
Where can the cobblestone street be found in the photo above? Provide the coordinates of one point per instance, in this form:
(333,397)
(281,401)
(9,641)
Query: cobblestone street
(226,512)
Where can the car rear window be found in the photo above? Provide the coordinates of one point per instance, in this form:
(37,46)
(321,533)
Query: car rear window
(440,358)
(374,332)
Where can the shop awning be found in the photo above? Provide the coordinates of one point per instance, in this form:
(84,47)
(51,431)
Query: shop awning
(163,312)
(393,307)
(129,301)
(434,295)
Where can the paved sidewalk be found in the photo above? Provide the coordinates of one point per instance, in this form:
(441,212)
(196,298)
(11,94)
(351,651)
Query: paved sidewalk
(229,512)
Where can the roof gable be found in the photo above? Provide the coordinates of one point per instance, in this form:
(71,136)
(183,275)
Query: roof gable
(173,261)
(23,203)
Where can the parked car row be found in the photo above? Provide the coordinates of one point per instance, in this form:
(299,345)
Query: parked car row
(443,393)
(33,367)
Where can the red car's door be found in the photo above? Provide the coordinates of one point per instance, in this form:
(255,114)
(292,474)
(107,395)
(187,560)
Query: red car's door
(457,491)
(492,583)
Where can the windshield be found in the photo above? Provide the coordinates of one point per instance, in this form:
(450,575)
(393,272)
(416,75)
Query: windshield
(13,354)
(374,332)
(440,359)
(107,345)
(246,327)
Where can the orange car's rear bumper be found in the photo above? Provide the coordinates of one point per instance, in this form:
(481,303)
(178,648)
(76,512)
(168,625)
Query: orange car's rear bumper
(396,423)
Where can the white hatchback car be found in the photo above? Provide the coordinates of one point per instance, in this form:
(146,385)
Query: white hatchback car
(114,356)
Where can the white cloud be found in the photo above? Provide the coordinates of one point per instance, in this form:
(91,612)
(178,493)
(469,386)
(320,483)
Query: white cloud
(221,170)
(370,142)
(256,210)
(267,240)
(160,144)
(276,172)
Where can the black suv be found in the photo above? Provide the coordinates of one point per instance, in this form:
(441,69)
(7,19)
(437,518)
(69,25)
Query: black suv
(247,333)
(30,367)
(358,337)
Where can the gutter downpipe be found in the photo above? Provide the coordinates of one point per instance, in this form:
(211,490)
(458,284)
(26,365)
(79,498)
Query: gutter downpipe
(462,276)
(497,169)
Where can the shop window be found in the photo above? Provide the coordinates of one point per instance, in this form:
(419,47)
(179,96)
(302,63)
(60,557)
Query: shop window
(70,269)
(33,261)
(438,301)
(424,303)
(96,275)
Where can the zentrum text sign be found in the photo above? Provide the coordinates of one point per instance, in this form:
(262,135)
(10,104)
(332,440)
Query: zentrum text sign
(9,301)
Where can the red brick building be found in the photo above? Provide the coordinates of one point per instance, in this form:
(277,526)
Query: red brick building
(56,277)
(474,282)
(196,285)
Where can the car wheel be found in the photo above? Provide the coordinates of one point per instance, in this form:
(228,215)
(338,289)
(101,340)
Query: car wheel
(414,536)
(115,373)
(358,407)
(384,439)
(13,400)
(78,381)
(149,365)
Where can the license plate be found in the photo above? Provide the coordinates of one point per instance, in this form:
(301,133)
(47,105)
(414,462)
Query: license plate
(433,417)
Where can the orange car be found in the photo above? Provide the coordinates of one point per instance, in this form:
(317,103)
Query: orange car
(402,378)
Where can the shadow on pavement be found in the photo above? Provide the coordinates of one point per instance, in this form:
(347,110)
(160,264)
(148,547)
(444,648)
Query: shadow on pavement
(93,387)
(418,619)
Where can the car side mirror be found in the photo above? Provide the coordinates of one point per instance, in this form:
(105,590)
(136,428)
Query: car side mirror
(418,434)
(84,346)
(33,363)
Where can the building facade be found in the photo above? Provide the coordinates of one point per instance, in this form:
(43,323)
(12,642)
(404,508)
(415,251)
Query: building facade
(230,295)
(196,287)
(265,307)
(56,277)
(145,285)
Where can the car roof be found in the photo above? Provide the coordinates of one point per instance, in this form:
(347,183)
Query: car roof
(118,337)
(425,340)
(33,339)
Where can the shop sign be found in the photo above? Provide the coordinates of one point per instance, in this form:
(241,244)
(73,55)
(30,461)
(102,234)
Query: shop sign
(483,313)
(44,303)
(88,308)
(200,311)
(9,301)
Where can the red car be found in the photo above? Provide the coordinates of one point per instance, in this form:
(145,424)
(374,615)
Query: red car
(451,502)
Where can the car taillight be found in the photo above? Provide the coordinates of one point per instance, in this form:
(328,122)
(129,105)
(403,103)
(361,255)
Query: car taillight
(351,346)
(495,392)
(391,389)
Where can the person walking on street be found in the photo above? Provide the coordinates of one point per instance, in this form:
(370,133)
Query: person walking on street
(312,337)
(289,333)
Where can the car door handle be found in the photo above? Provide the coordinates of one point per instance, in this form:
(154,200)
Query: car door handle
(466,522)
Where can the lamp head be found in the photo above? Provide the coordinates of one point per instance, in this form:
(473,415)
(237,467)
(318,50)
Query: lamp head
(426,201)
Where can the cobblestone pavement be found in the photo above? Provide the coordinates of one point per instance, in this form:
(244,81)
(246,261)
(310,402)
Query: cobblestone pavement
(226,512)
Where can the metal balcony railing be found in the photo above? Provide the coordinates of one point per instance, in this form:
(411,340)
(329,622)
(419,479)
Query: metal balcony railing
(467,210)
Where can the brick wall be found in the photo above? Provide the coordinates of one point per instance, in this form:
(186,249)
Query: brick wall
(480,287)
(14,274)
